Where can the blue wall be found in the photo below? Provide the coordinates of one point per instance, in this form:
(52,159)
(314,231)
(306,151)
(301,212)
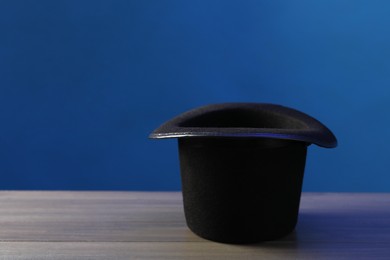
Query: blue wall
(82,83)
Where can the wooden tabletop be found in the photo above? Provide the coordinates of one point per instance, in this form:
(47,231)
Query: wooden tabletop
(145,225)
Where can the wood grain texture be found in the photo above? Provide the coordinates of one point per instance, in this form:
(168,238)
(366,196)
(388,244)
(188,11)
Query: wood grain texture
(92,216)
(188,250)
(141,225)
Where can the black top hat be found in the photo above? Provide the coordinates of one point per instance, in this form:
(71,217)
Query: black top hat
(242,168)
(247,120)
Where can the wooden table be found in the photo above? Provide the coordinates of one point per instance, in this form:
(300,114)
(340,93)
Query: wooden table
(145,225)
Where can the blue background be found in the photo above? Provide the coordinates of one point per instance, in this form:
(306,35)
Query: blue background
(82,83)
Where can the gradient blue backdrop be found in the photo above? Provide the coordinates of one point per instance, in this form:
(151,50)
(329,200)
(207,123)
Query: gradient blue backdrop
(82,83)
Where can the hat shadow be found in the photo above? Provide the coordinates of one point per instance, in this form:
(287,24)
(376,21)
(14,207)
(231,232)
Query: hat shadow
(327,235)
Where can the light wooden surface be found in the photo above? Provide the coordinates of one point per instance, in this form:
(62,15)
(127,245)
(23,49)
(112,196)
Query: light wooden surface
(140,225)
